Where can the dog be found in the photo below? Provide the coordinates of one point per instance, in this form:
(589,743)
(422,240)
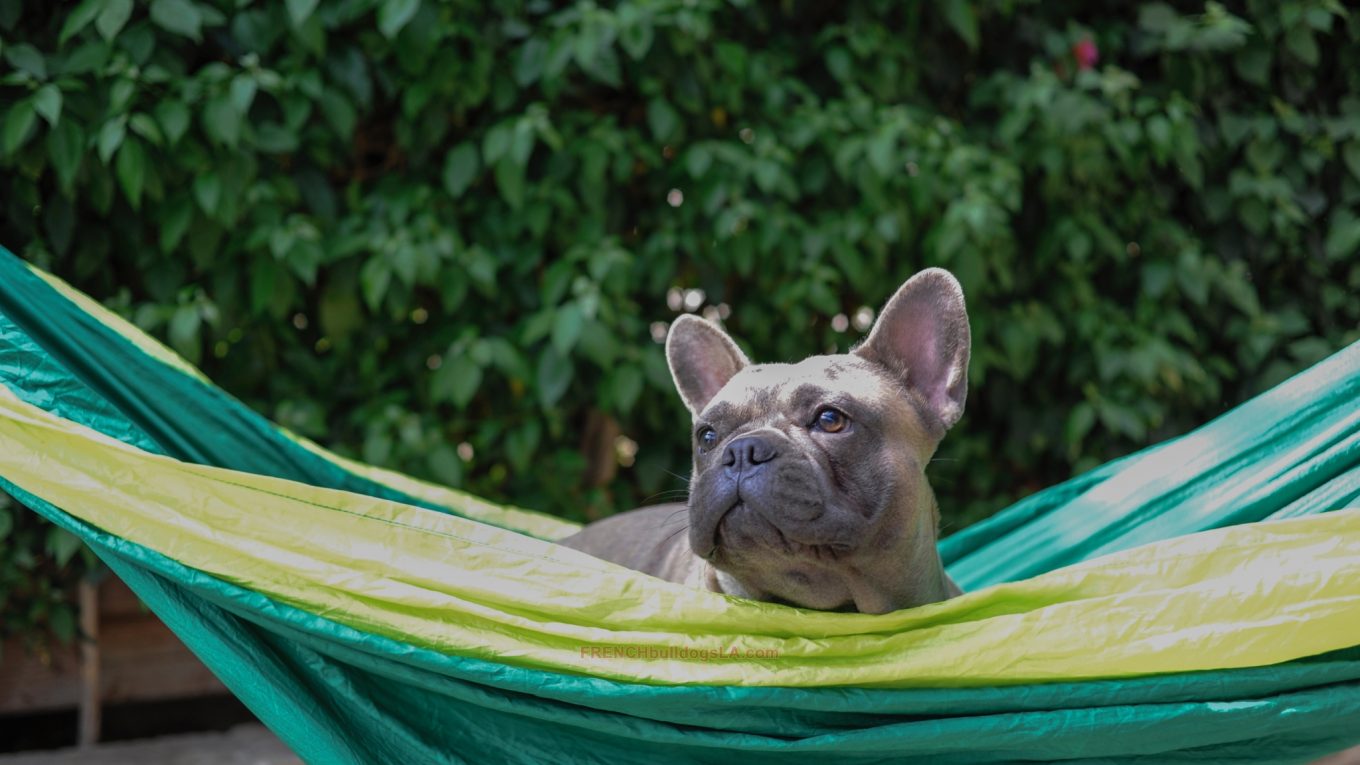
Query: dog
(809,484)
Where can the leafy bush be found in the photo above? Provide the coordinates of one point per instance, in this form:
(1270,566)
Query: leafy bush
(439,235)
(39,568)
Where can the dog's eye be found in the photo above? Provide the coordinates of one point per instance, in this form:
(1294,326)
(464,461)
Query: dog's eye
(707,439)
(831,420)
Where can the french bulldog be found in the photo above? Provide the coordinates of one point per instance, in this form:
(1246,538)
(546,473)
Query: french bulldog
(809,483)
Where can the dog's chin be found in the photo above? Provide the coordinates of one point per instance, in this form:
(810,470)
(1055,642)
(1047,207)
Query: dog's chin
(744,532)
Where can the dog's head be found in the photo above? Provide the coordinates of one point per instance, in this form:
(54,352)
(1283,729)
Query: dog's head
(809,484)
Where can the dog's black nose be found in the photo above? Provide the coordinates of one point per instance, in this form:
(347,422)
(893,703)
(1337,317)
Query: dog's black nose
(748,452)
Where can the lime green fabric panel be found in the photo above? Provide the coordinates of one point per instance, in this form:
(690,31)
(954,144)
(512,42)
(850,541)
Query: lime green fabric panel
(1243,596)
(536,524)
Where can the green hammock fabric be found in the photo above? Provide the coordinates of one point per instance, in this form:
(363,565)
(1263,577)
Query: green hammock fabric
(1125,656)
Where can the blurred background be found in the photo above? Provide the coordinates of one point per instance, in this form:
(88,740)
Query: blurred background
(447,237)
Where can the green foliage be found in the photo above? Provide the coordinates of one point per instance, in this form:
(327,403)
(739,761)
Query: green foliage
(436,235)
(39,567)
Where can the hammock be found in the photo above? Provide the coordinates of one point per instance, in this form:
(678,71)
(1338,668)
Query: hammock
(1196,601)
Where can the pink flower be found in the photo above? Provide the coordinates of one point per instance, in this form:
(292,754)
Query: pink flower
(1086,53)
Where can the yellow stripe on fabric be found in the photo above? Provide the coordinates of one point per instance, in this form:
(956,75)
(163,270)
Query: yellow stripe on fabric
(531,522)
(144,342)
(468,505)
(1244,596)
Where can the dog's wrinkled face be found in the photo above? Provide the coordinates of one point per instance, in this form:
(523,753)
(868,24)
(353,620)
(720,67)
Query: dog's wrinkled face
(808,482)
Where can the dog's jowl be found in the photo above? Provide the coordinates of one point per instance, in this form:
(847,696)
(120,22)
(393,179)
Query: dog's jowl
(809,482)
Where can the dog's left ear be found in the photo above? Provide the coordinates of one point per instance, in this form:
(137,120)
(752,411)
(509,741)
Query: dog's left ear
(922,337)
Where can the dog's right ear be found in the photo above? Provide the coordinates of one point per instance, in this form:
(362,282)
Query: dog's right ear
(702,359)
(922,337)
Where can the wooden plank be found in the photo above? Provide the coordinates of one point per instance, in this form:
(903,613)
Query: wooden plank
(30,683)
(87,729)
(140,660)
(116,600)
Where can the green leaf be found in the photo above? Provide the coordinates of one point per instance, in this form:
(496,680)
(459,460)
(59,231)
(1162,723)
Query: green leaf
(179,16)
(460,168)
(59,221)
(1351,156)
(264,275)
(1253,64)
(521,443)
(18,122)
(662,119)
(174,119)
(66,148)
(882,152)
(110,138)
(131,170)
(47,103)
(208,191)
(1121,419)
(1079,422)
(300,10)
(626,386)
(1343,235)
(339,310)
(456,380)
(304,259)
(6,522)
(604,67)
(175,219)
(120,95)
(394,14)
(339,112)
(554,375)
(1241,293)
(242,93)
(529,65)
(1301,42)
(1320,18)
(1311,350)
(61,545)
(89,57)
(697,161)
(184,324)
(273,138)
(522,144)
(374,279)
(636,38)
(404,264)
(496,143)
(960,16)
(27,58)
(840,63)
(112,17)
(446,465)
(147,128)
(79,19)
(510,182)
(222,121)
(567,327)
(63,619)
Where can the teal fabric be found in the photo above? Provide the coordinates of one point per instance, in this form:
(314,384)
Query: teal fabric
(1291,451)
(338,695)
